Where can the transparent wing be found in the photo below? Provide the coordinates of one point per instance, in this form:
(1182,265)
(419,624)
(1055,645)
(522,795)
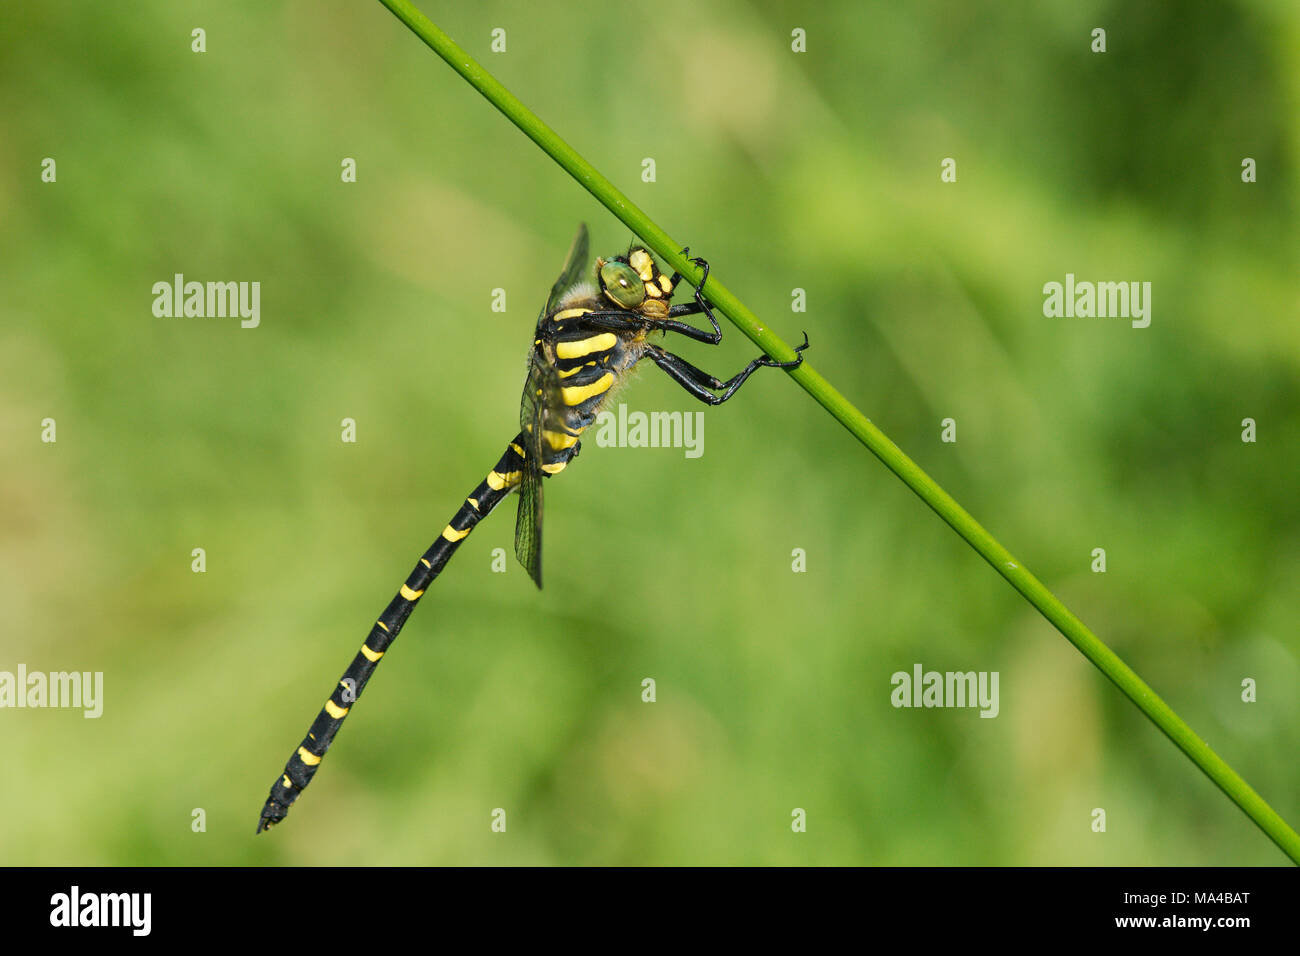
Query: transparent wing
(538,412)
(575,266)
(540,393)
(528,525)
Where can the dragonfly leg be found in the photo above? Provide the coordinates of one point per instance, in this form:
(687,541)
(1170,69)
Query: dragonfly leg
(700,304)
(619,322)
(703,385)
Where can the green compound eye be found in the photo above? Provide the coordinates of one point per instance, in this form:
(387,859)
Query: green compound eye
(622,284)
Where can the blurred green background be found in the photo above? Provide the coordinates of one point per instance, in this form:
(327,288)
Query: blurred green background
(818,171)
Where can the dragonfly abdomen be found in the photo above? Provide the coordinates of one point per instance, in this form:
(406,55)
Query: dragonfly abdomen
(305,761)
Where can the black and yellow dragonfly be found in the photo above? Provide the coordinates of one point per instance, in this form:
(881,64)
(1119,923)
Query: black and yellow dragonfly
(589,335)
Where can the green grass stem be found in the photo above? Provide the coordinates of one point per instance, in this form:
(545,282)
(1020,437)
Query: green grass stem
(1002,561)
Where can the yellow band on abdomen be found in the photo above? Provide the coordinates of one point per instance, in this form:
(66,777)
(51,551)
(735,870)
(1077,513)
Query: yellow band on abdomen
(559,440)
(497,481)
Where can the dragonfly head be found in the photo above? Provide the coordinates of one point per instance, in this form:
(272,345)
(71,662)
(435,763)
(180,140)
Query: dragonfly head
(620,282)
(634,282)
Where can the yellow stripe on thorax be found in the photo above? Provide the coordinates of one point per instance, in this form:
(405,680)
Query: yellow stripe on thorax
(597,343)
(577,394)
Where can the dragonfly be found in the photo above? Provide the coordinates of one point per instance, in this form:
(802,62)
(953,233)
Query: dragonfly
(595,326)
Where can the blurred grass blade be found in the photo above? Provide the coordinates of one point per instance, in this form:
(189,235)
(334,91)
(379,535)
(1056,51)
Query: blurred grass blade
(1106,660)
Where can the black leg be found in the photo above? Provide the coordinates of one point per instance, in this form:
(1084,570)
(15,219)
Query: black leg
(619,322)
(611,321)
(703,385)
(695,308)
(699,305)
(676,278)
